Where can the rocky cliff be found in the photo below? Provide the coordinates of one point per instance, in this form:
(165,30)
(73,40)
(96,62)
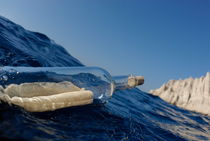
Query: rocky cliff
(191,94)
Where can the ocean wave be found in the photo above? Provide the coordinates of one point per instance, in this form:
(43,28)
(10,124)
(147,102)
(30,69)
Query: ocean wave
(129,115)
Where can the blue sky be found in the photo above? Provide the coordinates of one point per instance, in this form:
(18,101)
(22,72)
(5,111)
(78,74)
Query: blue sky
(159,39)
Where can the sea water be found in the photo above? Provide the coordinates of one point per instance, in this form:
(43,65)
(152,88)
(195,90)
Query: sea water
(129,115)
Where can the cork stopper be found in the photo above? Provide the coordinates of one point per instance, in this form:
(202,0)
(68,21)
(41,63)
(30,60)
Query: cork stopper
(134,81)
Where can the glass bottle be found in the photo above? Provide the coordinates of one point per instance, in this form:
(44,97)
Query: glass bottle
(95,79)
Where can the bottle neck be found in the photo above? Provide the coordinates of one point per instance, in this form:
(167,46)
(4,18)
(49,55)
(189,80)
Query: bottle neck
(127,82)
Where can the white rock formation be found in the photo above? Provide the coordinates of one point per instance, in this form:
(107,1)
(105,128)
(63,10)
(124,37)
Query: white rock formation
(191,94)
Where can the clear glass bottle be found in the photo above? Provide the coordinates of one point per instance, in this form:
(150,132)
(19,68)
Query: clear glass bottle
(96,79)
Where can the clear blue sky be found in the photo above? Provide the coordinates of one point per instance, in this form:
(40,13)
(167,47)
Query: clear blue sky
(160,39)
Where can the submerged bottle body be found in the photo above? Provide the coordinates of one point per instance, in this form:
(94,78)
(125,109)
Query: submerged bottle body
(90,78)
(60,79)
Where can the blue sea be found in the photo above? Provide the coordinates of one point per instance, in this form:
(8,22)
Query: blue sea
(131,115)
